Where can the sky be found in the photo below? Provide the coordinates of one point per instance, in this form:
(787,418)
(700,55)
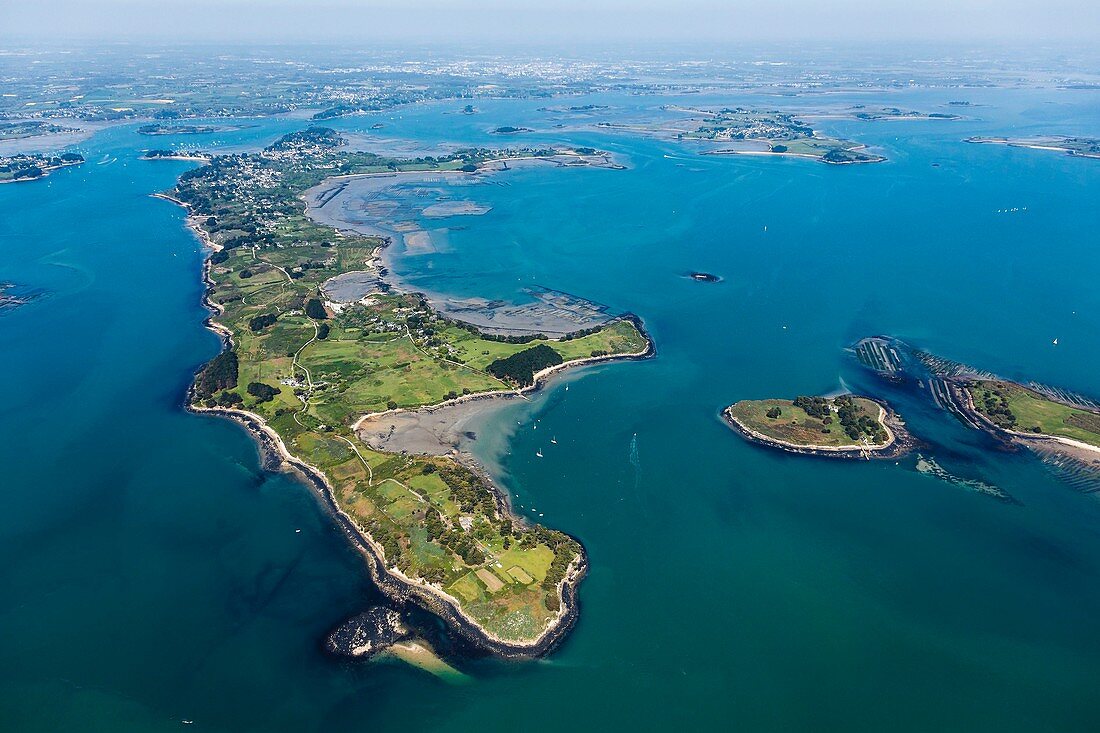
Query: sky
(523,21)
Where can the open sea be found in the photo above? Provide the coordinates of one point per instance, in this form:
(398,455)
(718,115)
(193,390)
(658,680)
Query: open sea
(151,572)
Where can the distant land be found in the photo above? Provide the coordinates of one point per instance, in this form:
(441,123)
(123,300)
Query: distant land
(32,166)
(30,128)
(157,128)
(1080,147)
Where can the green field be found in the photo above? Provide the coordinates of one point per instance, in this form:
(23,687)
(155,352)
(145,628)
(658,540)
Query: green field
(434,519)
(1030,412)
(794,425)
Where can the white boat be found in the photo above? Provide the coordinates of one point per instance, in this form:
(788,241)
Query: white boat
(555,440)
(538,453)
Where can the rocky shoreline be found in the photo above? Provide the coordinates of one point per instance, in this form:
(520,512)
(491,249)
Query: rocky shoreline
(901,441)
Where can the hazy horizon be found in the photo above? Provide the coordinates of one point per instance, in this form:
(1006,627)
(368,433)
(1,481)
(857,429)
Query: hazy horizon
(592,21)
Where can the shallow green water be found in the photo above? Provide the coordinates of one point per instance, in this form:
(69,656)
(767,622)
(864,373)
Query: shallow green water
(150,572)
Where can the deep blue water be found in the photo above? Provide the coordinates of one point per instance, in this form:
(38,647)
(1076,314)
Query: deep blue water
(150,571)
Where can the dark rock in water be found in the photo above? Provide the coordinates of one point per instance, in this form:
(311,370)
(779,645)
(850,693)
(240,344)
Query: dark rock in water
(13,296)
(704,277)
(367,634)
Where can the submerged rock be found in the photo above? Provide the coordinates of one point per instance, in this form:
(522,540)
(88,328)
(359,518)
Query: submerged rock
(367,634)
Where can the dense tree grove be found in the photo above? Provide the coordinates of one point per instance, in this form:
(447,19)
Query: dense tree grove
(220,373)
(521,366)
(263,392)
(315,310)
(856,422)
(813,406)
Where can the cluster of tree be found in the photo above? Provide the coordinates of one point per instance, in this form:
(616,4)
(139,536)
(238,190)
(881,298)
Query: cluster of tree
(387,536)
(774,413)
(323,331)
(220,373)
(814,406)
(520,367)
(262,321)
(262,392)
(581,333)
(323,136)
(468,490)
(856,422)
(993,403)
(315,309)
(463,546)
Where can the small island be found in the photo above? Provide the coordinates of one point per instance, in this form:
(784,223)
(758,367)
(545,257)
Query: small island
(509,130)
(847,426)
(161,129)
(704,277)
(775,133)
(31,128)
(30,167)
(1079,147)
(163,154)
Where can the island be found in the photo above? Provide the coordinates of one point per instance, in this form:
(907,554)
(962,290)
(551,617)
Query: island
(775,133)
(31,128)
(1080,147)
(318,338)
(164,154)
(704,277)
(846,426)
(861,112)
(158,128)
(30,167)
(509,130)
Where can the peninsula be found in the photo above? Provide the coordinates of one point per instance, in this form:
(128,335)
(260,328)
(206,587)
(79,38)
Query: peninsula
(847,426)
(301,370)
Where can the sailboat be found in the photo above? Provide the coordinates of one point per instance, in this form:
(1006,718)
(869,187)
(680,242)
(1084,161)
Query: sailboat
(554,441)
(539,453)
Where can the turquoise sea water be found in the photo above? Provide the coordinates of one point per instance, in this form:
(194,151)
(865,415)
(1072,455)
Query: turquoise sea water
(150,572)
